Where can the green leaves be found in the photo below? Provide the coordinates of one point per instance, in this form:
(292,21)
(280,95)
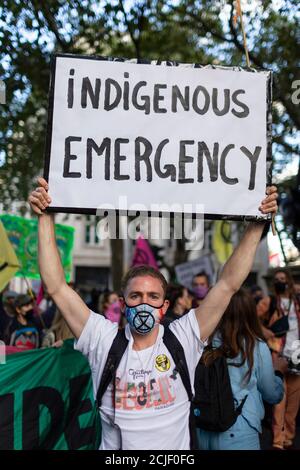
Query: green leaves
(188,31)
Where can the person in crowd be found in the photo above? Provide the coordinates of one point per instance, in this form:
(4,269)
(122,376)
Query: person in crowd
(297,289)
(44,309)
(146,405)
(200,287)
(110,306)
(257,293)
(24,332)
(58,332)
(280,317)
(180,303)
(46,303)
(7,314)
(94,302)
(239,338)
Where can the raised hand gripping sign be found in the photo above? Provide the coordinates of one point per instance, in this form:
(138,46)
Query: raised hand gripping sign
(167,137)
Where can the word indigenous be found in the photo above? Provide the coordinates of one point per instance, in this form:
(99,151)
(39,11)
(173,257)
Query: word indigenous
(110,94)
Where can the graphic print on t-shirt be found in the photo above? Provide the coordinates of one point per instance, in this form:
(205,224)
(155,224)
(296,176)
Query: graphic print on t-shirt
(150,394)
(25,338)
(145,391)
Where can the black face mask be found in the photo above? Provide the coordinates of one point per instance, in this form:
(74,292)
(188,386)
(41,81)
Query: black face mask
(29,315)
(280,287)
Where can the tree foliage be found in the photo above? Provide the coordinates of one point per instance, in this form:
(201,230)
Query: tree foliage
(200,31)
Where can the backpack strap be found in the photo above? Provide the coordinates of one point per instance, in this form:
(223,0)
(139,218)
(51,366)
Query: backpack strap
(272,306)
(114,357)
(177,352)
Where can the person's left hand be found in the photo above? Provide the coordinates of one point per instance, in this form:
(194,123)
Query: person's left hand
(269,204)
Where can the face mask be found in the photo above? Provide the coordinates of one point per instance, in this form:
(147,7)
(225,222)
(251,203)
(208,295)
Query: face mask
(113,312)
(200,292)
(143,317)
(280,287)
(29,314)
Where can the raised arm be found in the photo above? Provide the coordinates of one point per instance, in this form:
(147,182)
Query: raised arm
(235,271)
(74,310)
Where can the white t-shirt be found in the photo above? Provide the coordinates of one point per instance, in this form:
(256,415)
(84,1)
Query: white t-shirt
(152,407)
(293,333)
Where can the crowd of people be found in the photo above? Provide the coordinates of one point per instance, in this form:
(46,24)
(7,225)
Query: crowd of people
(26,324)
(172,366)
(251,335)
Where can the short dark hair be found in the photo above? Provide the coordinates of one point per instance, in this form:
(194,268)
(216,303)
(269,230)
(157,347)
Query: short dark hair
(140,271)
(289,278)
(22,299)
(255,288)
(104,298)
(204,274)
(174,292)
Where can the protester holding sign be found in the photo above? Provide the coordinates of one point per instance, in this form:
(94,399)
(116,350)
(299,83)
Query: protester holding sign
(146,406)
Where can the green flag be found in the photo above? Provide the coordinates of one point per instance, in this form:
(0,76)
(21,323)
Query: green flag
(23,236)
(46,401)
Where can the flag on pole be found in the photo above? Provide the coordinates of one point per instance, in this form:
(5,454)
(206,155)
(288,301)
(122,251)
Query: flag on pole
(238,12)
(9,263)
(143,254)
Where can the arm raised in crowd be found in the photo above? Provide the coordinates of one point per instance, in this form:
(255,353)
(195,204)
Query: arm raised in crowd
(74,310)
(235,271)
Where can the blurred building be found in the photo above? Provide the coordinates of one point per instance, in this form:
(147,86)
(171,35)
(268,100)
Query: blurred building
(91,256)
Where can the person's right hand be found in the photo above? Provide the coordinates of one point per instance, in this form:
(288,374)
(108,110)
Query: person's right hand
(39,199)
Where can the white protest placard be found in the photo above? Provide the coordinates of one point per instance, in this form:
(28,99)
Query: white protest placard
(186,271)
(159,137)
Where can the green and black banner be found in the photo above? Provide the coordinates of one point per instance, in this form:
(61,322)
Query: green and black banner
(46,401)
